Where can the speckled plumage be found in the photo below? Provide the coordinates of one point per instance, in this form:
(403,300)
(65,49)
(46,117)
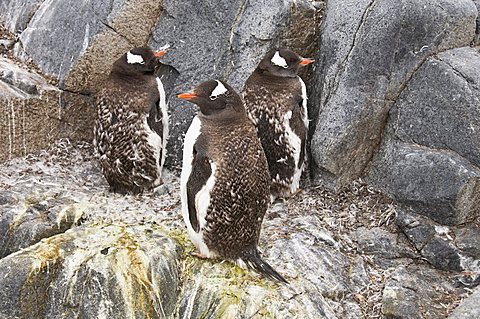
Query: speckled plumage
(131,127)
(275,100)
(225,181)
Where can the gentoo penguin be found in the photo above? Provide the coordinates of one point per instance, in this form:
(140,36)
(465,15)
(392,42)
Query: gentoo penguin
(131,127)
(276,101)
(224,180)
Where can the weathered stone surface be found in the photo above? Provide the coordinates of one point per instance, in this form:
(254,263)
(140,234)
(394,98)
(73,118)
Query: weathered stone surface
(27,220)
(440,245)
(469,308)
(382,243)
(477,31)
(93,272)
(17,82)
(437,183)
(28,125)
(468,241)
(410,293)
(225,40)
(61,32)
(17,13)
(125,24)
(370,49)
(440,108)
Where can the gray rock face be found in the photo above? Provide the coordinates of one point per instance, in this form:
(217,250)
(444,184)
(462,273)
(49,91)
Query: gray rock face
(477,31)
(414,296)
(60,30)
(225,40)
(16,82)
(469,308)
(22,226)
(440,245)
(440,110)
(16,14)
(439,184)
(369,51)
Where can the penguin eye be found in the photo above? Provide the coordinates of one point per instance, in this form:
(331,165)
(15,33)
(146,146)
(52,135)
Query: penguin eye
(213,98)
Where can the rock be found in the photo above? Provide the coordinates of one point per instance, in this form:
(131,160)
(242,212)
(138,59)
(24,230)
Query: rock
(17,13)
(419,230)
(35,217)
(369,52)
(442,254)
(439,184)
(477,31)
(467,240)
(128,248)
(66,39)
(379,242)
(440,245)
(440,107)
(227,46)
(411,293)
(104,271)
(468,308)
(16,82)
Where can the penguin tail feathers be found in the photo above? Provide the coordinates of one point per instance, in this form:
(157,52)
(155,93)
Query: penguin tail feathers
(253,261)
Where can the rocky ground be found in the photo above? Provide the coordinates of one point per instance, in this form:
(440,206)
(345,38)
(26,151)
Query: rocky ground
(343,253)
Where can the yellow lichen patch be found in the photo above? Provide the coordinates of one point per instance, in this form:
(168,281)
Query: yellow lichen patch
(46,254)
(132,270)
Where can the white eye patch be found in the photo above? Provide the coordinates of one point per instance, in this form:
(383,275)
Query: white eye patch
(219,90)
(134,58)
(279,61)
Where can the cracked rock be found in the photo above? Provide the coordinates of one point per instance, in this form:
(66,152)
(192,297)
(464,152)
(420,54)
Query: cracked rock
(370,49)
(413,294)
(379,242)
(445,248)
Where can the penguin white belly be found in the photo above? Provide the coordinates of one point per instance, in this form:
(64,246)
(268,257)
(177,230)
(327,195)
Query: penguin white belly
(164,109)
(155,142)
(294,143)
(202,198)
(304,103)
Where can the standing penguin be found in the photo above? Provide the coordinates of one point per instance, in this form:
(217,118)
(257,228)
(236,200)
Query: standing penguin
(276,101)
(225,180)
(131,127)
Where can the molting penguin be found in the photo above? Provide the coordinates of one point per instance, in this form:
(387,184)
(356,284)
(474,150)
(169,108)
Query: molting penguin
(276,102)
(131,127)
(225,180)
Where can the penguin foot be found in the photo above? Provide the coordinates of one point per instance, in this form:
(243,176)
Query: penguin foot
(198,254)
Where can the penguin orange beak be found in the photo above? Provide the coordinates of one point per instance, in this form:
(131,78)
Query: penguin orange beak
(306,61)
(160,53)
(187,96)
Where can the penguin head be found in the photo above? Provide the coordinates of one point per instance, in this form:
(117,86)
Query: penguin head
(215,97)
(282,62)
(141,60)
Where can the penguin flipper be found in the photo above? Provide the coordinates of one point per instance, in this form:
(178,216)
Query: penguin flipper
(201,171)
(253,261)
